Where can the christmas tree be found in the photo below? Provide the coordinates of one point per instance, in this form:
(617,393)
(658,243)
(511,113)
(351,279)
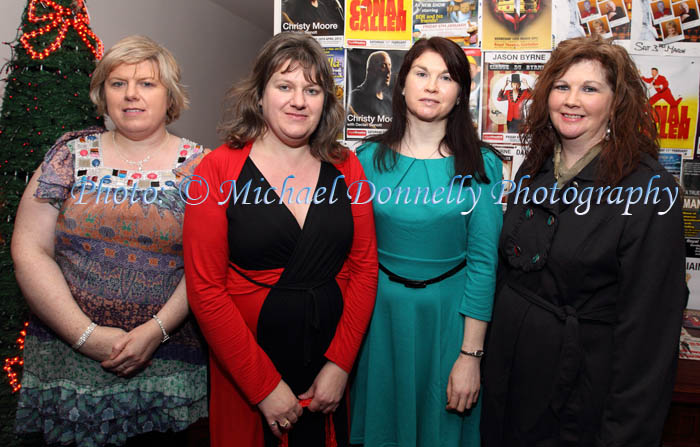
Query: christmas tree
(46,94)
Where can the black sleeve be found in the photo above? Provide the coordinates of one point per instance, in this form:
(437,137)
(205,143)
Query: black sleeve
(651,298)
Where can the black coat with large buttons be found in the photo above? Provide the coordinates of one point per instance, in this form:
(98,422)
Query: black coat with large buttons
(583,345)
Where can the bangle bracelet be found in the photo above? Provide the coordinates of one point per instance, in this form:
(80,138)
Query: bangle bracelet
(166,337)
(83,338)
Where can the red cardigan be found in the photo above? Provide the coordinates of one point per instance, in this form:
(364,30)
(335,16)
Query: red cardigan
(227,306)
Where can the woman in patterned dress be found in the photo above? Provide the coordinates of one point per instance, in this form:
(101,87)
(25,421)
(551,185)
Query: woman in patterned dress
(110,352)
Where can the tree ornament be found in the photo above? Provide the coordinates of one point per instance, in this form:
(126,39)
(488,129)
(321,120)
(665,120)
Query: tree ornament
(62,18)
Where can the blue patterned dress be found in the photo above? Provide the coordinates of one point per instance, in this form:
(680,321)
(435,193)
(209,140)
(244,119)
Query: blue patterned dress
(122,261)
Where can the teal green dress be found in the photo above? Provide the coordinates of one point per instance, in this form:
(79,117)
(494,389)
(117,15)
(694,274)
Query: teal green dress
(399,395)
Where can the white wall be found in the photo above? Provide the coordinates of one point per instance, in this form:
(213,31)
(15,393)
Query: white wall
(10,17)
(213,46)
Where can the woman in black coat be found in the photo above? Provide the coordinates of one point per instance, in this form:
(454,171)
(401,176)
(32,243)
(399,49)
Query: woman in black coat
(584,339)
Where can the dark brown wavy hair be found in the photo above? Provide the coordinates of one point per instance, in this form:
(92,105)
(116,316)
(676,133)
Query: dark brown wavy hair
(632,126)
(460,137)
(243,119)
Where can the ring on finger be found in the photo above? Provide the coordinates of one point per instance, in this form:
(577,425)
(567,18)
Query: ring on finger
(285,424)
(273,423)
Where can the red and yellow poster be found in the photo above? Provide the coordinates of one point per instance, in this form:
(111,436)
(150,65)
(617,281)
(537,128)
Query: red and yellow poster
(384,24)
(521,25)
(672,86)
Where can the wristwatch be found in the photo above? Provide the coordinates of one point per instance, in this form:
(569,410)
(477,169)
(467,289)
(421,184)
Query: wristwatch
(478,353)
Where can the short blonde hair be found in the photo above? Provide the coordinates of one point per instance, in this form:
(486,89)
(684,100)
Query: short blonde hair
(133,50)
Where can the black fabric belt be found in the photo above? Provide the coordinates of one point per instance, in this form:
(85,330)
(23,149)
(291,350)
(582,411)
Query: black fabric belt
(571,357)
(312,319)
(416,284)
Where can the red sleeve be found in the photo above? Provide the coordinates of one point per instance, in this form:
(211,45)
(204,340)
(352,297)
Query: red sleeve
(358,278)
(663,82)
(205,240)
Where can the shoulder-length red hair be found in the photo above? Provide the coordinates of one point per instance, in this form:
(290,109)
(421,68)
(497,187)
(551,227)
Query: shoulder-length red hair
(632,126)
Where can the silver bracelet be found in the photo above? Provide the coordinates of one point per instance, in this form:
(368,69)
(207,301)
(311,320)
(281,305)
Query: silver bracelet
(83,338)
(166,337)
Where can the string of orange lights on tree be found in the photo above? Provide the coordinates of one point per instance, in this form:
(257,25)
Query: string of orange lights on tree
(11,362)
(62,18)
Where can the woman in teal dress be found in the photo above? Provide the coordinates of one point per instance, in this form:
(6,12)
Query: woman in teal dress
(418,375)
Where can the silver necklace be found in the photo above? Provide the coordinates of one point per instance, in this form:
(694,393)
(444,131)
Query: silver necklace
(414,155)
(138,163)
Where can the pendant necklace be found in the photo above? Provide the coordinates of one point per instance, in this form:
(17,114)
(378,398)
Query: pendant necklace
(138,163)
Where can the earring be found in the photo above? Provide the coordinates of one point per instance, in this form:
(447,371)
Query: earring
(457,102)
(608,132)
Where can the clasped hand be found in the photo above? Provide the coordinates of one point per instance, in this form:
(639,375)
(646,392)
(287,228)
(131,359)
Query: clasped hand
(134,350)
(281,407)
(327,390)
(123,353)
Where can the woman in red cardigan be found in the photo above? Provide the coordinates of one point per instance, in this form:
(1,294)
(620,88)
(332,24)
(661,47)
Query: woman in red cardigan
(280,255)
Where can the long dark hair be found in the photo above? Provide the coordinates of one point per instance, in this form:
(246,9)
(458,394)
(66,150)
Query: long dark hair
(460,137)
(632,127)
